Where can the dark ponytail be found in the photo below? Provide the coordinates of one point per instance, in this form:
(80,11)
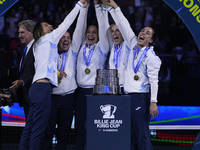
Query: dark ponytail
(37,32)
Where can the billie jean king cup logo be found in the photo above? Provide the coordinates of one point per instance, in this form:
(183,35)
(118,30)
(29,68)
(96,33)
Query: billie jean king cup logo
(108,111)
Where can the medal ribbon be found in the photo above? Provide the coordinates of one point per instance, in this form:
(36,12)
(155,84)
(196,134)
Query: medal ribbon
(117,56)
(64,61)
(135,69)
(87,60)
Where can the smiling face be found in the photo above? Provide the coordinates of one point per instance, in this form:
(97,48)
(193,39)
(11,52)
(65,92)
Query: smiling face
(25,36)
(47,28)
(145,37)
(92,36)
(64,42)
(116,35)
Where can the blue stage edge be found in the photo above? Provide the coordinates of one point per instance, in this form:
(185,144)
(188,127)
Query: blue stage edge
(168,116)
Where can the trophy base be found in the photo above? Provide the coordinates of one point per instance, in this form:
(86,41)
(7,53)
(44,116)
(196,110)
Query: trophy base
(106,90)
(106,94)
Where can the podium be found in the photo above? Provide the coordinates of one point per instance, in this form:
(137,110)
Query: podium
(108,122)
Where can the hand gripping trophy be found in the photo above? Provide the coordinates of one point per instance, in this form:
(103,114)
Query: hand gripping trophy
(104,3)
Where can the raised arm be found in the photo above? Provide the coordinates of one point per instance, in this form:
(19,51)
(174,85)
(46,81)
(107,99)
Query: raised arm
(107,25)
(79,32)
(102,19)
(56,34)
(122,23)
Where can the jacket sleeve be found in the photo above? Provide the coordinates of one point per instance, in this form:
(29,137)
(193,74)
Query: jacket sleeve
(102,19)
(79,32)
(153,67)
(56,34)
(108,30)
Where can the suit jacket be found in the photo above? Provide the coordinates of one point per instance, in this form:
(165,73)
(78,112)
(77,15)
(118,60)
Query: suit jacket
(27,73)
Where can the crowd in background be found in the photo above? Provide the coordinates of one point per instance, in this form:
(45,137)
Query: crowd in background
(174,39)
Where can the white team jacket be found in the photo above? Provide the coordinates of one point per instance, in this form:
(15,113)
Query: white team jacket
(68,85)
(122,62)
(99,55)
(148,70)
(45,50)
(125,51)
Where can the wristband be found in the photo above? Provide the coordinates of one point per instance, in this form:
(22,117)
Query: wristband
(154,101)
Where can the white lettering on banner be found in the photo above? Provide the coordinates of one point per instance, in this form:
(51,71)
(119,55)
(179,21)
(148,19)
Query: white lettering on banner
(110,130)
(107,123)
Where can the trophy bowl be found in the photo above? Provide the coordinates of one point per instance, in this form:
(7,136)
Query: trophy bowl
(107,82)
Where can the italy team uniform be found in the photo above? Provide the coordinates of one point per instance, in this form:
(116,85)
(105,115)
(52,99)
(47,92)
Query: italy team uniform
(45,53)
(90,58)
(141,75)
(63,98)
(118,59)
(138,85)
(120,53)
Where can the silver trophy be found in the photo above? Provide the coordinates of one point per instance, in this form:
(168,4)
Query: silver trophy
(107,82)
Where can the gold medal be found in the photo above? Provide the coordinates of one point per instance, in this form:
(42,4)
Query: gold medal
(136,77)
(87,71)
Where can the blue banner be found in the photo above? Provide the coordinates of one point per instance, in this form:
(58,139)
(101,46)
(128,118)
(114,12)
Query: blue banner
(168,115)
(189,12)
(177,115)
(5,5)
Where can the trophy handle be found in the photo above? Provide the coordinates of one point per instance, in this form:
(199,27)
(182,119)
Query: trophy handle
(115,108)
(101,108)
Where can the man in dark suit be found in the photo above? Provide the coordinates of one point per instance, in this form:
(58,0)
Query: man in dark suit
(26,67)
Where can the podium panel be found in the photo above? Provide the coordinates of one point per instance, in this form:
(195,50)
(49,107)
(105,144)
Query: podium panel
(108,122)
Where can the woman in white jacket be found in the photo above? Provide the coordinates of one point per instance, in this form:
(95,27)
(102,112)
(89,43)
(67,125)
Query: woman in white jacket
(45,53)
(92,56)
(62,98)
(141,74)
